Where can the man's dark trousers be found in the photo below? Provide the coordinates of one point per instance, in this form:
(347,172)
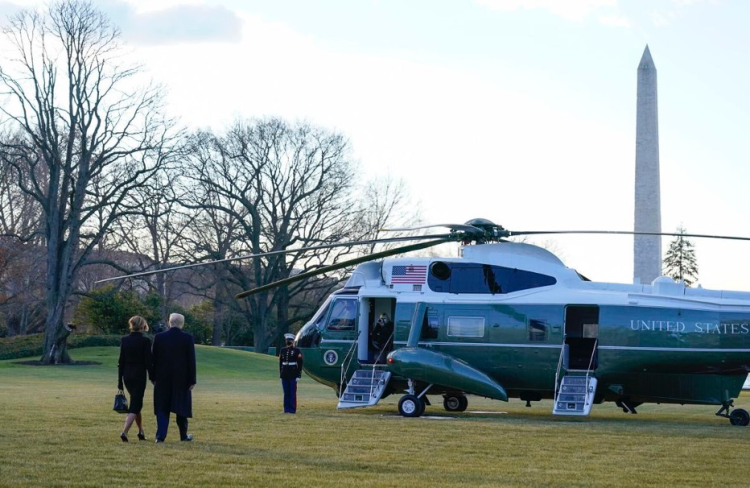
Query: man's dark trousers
(162,423)
(290,394)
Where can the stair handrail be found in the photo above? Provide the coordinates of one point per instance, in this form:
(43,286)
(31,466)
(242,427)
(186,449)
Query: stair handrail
(588,370)
(377,359)
(557,373)
(346,362)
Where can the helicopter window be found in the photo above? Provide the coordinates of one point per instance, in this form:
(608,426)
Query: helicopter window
(486,279)
(320,317)
(440,270)
(310,333)
(343,315)
(537,331)
(430,324)
(466,326)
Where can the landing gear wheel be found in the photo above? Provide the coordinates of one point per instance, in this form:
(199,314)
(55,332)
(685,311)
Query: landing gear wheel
(455,403)
(410,406)
(739,417)
(423,405)
(464,403)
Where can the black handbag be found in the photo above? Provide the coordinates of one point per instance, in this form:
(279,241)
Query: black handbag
(121,402)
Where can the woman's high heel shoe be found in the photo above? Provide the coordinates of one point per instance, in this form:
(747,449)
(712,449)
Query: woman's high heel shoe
(141,436)
(124,437)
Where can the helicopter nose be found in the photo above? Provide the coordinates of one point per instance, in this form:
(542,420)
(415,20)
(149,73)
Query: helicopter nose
(309,336)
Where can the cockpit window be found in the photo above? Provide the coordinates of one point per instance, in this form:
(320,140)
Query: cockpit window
(320,317)
(309,335)
(343,315)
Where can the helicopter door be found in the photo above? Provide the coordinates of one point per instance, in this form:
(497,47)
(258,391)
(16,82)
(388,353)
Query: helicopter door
(430,330)
(425,326)
(581,334)
(375,335)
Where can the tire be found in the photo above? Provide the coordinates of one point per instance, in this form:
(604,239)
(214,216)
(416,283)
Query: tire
(739,417)
(455,403)
(410,406)
(423,406)
(464,403)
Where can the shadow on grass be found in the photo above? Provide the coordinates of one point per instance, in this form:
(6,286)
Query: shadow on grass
(72,363)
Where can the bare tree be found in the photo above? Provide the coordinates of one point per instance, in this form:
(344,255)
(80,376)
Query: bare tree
(81,119)
(215,235)
(284,186)
(20,213)
(386,203)
(154,232)
(21,296)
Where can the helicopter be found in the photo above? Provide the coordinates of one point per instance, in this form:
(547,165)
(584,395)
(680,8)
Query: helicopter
(510,320)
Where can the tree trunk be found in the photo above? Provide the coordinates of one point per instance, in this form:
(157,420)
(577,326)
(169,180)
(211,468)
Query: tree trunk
(261,341)
(58,351)
(218,329)
(55,333)
(282,316)
(24,322)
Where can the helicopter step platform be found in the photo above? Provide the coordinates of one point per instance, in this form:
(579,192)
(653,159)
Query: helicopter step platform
(575,395)
(364,388)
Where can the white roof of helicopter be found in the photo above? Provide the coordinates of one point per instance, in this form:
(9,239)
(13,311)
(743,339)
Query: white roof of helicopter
(376,277)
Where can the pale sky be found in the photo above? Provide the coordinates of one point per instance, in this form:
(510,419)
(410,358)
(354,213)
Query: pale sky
(519,111)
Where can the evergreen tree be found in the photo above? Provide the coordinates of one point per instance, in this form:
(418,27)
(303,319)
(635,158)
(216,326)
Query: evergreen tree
(680,262)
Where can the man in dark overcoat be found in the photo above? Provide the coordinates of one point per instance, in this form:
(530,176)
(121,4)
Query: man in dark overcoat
(173,360)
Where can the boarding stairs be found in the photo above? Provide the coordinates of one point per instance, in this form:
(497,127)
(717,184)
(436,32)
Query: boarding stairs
(365,387)
(575,394)
(367,384)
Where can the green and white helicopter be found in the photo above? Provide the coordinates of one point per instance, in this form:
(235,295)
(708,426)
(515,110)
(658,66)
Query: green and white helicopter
(510,320)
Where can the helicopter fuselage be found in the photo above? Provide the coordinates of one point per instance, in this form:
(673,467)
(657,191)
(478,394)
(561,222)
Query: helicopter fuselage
(515,313)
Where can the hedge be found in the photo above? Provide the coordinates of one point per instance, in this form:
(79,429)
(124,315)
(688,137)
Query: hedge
(32,345)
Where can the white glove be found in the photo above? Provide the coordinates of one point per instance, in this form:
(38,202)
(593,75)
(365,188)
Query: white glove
(296,380)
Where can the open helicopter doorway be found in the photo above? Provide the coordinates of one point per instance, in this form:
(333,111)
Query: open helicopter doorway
(376,327)
(581,336)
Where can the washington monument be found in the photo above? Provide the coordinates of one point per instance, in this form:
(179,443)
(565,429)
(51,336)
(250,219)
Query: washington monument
(647,249)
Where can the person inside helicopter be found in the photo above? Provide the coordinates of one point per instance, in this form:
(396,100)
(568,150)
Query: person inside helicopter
(381,338)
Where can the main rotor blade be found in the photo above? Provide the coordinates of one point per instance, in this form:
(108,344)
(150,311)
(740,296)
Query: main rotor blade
(462,227)
(333,267)
(624,232)
(282,251)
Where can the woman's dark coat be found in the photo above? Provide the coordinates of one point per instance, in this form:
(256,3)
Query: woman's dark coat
(133,366)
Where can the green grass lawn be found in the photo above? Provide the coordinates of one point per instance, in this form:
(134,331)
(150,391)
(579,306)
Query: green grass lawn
(57,429)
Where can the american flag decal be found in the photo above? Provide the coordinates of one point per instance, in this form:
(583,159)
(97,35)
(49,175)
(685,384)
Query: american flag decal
(409,275)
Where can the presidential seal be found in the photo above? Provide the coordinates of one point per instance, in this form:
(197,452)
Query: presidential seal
(330,357)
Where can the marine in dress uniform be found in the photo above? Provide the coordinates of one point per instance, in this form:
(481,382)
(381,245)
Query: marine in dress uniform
(290,371)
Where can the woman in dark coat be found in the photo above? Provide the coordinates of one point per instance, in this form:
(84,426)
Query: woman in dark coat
(133,366)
